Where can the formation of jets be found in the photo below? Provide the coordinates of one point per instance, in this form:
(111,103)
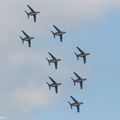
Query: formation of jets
(55,60)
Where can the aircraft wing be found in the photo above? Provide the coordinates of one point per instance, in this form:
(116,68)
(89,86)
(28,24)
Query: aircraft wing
(56,28)
(34,17)
(84,59)
(77,75)
(30,8)
(51,55)
(56,89)
(61,37)
(29,43)
(80,50)
(55,65)
(74,99)
(78,108)
(81,84)
(25,34)
(52,80)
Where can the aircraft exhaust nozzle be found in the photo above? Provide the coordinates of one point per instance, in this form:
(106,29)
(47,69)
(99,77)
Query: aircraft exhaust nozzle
(73,80)
(48,61)
(27,13)
(22,41)
(53,33)
(70,104)
(48,85)
(76,56)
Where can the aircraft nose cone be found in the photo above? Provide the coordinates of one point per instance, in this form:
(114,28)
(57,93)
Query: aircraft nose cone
(59,59)
(81,103)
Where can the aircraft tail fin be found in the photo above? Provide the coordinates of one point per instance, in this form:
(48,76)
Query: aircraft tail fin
(48,61)
(48,85)
(22,39)
(73,80)
(27,13)
(76,55)
(53,33)
(70,104)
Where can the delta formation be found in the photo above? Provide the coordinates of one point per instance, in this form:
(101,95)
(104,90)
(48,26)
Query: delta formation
(55,60)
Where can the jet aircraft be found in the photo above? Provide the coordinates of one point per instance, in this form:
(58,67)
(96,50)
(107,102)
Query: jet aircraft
(76,104)
(53,60)
(82,54)
(58,33)
(78,80)
(27,38)
(32,13)
(54,84)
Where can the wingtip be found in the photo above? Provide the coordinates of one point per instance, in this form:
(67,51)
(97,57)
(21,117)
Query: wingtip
(54,26)
(22,31)
(47,83)
(55,68)
(74,72)
(49,53)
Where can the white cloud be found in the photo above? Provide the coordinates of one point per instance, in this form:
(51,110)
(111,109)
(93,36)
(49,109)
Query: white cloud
(31,95)
(3,117)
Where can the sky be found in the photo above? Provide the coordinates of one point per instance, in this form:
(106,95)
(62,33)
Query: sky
(92,25)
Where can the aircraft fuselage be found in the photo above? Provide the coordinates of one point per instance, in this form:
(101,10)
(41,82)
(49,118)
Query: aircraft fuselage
(54,85)
(59,33)
(77,103)
(55,60)
(28,38)
(83,55)
(79,80)
(33,13)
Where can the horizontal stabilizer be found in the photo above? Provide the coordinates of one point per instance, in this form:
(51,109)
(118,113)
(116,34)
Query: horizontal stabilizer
(53,33)
(22,39)
(70,104)
(48,61)
(73,80)
(76,55)
(48,85)
(27,13)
